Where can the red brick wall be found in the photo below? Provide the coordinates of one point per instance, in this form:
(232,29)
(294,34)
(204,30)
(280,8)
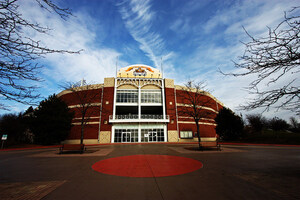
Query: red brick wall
(206,113)
(93,96)
(90,132)
(108,96)
(72,99)
(92,111)
(206,130)
(171,109)
(205,100)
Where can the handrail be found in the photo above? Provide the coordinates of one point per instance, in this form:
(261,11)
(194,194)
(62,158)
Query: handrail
(135,116)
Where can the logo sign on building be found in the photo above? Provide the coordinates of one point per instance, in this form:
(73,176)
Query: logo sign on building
(4,137)
(139,71)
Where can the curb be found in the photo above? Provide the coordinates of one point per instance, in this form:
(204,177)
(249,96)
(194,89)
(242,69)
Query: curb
(29,148)
(255,144)
(104,144)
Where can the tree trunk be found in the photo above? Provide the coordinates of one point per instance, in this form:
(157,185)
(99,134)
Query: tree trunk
(198,134)
(82,132)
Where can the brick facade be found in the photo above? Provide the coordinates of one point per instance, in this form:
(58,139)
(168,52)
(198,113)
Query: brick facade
(102,95)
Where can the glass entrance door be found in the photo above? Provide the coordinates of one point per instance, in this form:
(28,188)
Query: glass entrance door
(152,136)
(126,136)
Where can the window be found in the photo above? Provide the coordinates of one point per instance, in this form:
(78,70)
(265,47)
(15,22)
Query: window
(152,135)
(126,135)
(186,134)
(151,96)
(127,96)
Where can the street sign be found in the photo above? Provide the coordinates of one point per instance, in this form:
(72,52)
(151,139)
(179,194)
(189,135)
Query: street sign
(4,137)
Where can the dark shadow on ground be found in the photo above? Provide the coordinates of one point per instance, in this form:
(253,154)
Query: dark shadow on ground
(202,149)
(88,151)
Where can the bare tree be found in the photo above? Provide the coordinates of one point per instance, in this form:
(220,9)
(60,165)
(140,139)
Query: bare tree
(274,59)
(19,53)
(197,104)
(85,103)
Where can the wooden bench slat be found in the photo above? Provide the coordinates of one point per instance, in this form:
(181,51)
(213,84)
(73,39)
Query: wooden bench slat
(211,144)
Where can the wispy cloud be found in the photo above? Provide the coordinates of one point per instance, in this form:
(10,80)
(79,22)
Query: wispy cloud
(255,16)
(138,18)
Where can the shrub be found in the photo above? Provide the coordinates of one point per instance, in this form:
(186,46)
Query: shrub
(277,124)
(13,125)
(52,121)
(229,125)
(256,122)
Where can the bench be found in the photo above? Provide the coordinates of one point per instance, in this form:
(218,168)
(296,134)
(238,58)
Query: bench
(72,147)
(210,144)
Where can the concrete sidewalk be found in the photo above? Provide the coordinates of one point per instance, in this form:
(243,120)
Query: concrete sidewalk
(237,172)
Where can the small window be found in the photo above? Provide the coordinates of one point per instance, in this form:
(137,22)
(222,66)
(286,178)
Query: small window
(186,134)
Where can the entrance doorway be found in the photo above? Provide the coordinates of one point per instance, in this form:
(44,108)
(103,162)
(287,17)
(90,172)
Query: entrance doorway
(152,136)
(126,136)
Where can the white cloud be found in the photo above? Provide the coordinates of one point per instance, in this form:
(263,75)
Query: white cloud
(138,18)
(254,15)
(77,33)
(202,64)
(181,26)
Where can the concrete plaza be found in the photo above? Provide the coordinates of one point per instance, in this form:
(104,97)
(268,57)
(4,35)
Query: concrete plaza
(236,172)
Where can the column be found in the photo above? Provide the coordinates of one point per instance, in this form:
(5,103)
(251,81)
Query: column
(163,98)
(165,133)
(139,100)
(139,133)
(115,99)
(112,134)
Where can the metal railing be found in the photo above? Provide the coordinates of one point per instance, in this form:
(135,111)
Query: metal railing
(143,116)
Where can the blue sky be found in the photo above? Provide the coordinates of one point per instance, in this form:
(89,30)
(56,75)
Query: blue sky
(193,38)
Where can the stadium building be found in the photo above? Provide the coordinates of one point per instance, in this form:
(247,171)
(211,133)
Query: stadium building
(138,105)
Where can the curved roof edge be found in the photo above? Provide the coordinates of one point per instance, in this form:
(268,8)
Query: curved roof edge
(85,87)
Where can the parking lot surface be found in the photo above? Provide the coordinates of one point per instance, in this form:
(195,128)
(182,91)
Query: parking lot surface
(236,172)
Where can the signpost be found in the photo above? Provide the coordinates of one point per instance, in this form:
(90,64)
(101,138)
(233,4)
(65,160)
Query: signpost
(4,137)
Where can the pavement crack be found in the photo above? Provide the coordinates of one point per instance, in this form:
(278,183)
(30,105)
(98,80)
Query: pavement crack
(154,177)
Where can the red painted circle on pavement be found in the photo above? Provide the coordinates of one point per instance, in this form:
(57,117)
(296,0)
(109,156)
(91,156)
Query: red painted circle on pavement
(147,166)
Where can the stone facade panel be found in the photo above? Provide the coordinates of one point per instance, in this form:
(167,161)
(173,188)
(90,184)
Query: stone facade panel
(172,136)
(109,82)
(169,83)
(105,137)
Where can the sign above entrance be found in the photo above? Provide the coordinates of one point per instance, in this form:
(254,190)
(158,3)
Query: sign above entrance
(138,71)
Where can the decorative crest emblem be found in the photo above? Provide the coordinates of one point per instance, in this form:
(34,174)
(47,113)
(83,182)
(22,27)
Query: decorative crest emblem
(140,72)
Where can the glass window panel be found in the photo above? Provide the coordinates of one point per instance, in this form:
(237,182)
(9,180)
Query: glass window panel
(151,96)
(127,96)
(186,134)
